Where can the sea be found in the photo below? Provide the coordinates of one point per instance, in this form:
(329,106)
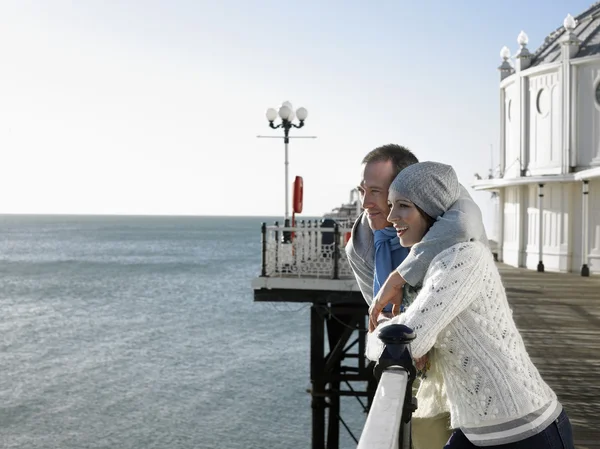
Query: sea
(140,332)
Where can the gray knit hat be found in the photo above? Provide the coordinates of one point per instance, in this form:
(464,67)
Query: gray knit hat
(432,186)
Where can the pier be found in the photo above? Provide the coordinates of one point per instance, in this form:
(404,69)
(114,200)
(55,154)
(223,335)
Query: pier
(307,264)
(558,315)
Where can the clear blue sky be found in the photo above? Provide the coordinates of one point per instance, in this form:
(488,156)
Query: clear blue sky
(153,107)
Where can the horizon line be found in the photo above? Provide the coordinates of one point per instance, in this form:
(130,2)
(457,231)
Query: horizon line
(73,214)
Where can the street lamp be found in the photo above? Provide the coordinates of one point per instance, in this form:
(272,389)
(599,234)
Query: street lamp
(287,114)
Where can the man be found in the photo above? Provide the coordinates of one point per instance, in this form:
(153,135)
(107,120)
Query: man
(375,255)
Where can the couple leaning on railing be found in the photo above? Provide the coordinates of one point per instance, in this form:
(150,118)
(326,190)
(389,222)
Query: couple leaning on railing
(421,259)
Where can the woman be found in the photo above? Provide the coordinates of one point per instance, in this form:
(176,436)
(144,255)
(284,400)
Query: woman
(496,396)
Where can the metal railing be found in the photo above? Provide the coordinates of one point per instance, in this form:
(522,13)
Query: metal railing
(388,422)
(382,429)
(308,249)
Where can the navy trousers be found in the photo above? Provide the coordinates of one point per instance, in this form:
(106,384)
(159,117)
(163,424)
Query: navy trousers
(557,435)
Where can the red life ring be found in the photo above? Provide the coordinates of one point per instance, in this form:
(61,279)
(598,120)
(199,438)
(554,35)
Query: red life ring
(298,193)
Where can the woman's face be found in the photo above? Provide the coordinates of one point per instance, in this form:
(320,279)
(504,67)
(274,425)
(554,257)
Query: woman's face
(410,225)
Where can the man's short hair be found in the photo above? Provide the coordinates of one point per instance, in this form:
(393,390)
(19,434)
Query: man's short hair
(400,156)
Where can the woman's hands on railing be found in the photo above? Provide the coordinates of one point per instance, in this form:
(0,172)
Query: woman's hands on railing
(390,292)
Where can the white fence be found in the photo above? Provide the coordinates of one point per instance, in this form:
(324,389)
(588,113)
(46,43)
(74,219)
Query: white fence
(305,250)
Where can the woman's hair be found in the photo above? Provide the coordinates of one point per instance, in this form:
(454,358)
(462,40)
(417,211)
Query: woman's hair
(430,220)
(431,186)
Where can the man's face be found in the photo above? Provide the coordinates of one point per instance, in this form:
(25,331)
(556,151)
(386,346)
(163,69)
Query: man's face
(376,178)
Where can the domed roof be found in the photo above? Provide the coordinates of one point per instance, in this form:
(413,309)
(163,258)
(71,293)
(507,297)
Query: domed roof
(587,31)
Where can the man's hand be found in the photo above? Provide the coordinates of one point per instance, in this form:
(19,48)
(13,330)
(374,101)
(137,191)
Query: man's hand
(390,292)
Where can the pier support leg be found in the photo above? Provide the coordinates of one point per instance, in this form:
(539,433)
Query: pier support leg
(317,377)
(338,333)
(333,373)
(333,425)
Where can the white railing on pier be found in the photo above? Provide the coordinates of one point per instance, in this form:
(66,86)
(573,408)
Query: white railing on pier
(305,250)
(382,429)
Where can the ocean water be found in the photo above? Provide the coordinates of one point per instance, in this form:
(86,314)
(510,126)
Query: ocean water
(141,332)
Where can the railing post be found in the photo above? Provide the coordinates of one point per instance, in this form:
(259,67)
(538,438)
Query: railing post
(388,422)
(287,235)
(309,240)
(336,251)
(396,352)
(277,247)
(263,231)
(303,240)
(317,241)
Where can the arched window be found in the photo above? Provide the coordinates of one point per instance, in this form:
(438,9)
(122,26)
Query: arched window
(542,102)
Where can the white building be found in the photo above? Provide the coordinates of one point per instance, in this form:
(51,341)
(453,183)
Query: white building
(547,183)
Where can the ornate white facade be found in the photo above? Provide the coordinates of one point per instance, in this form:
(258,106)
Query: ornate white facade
(548,179)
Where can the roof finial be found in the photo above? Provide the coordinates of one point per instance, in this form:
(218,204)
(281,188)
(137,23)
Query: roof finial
(569,23)
(570,41)
(522,39)
(505,68)
(523,57)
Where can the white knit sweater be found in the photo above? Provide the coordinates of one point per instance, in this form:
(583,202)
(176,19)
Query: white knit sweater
(463,312)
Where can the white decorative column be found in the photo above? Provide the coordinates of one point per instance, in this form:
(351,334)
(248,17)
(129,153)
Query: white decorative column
(506,70)
(503,125)
(540,266)
(501,196)
(569,47)
(585,270)
(523,61)
(523,231)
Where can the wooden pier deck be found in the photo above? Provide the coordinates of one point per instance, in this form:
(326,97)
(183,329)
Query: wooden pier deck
(558,315)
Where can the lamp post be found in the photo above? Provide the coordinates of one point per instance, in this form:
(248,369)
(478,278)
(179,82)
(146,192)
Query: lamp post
(287,114)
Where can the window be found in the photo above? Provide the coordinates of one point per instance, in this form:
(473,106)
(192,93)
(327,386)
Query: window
(542,102)
(598,93)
